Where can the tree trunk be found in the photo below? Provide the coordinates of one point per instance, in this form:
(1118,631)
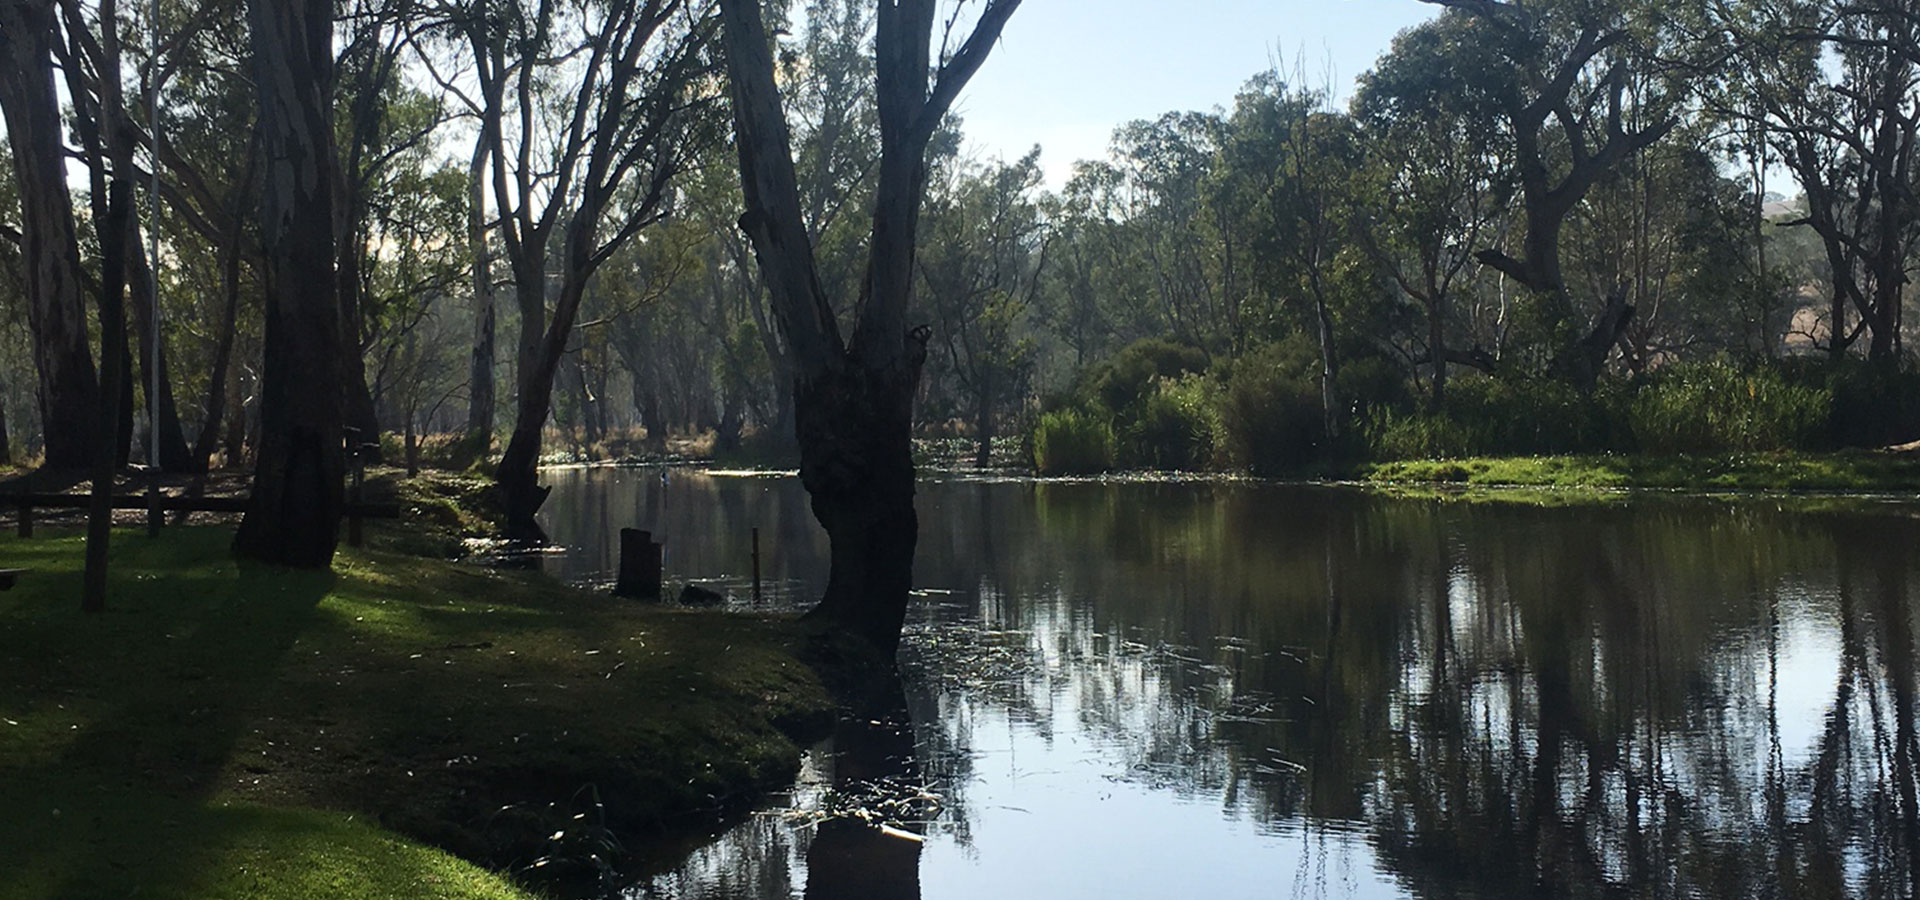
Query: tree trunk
(853,401)
(480,394)
(165,429)
(1329,370)
(362,419)
(56,314)
(113,353)
(856,461)
(220,387)
(294,515)
(983,427)
(1437,346)
(519,471)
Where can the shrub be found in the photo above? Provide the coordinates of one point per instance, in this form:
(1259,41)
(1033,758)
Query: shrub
(1489,416)
(1072,442)
(1719,407)
(1175,425)
(1871,405)
(1270,420)
(1129,377)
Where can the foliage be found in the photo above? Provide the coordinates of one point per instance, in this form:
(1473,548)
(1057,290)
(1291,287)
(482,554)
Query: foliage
(1271,420)
(1176,427)
(1121,382)
(1072,442)
(1873,405)
(1718,407)
(1486,416)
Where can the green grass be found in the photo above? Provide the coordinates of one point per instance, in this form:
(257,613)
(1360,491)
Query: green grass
(1855,471)
(237,730)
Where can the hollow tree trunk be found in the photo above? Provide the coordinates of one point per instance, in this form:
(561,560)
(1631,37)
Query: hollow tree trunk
(56,314)
(294,516)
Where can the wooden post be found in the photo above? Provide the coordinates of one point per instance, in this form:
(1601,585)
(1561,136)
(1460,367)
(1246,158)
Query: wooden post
(756,565)
(26,517)
(640,565)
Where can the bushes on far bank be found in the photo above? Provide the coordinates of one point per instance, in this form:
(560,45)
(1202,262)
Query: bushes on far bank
(1263,413)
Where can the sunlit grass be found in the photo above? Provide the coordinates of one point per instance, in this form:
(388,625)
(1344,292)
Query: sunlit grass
(1848,472)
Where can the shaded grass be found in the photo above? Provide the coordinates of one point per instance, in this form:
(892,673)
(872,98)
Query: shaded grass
(193,733)
(1852,471)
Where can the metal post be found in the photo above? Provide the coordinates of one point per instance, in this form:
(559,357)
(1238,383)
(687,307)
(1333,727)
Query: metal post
(153,265)
(756,565)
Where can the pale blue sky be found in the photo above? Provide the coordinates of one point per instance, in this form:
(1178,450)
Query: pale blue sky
(1068,71)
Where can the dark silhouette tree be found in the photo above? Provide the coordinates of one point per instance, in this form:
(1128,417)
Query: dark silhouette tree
(853,399)
(295,513)
(56,314)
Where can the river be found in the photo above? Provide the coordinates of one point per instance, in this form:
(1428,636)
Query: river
(1225,689)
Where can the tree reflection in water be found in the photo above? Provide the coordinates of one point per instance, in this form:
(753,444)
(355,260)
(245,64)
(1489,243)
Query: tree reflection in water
(1386,697)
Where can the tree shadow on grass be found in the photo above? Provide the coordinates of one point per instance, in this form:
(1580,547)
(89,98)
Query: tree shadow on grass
(130,719)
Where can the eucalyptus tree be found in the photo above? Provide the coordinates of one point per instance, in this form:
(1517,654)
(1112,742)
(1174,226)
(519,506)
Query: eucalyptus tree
(987,246)
(106,124)
(854,398)
(1557,74)
(209,164)
(376,36)
(1836,88)
(294,514)
(593,110)
(1434,186)
(1195,259)
(1294,160)
(69,386)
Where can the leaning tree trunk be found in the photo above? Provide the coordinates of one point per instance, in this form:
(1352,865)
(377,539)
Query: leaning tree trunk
(294,515)
(56,314)
(518,474)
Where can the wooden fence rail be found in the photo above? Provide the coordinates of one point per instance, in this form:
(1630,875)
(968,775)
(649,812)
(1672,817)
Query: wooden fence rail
(26,503)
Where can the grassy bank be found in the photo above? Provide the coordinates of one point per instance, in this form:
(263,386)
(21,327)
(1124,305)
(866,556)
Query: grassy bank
(1853,471)
(228,730)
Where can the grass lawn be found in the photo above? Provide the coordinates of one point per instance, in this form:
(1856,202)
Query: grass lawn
(1851,471)
(230,730)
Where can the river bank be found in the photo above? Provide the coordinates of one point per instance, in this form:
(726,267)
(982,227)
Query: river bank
(401,726)
(1853,471)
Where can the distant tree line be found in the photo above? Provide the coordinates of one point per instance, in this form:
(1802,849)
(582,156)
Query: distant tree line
(1539,226)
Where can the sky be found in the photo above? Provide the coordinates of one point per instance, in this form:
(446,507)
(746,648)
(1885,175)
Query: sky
(1067,72)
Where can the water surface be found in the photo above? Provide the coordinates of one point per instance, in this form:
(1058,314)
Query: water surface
(1250,690)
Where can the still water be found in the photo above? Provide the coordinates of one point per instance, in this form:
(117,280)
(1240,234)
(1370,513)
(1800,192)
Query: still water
(1228,690)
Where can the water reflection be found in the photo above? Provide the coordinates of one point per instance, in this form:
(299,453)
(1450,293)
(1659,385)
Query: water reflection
(1250,690)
